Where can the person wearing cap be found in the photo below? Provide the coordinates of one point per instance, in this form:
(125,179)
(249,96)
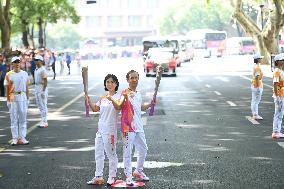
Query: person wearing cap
(278,95)
(17,82)
(2,74)
(41,92)
(256,86)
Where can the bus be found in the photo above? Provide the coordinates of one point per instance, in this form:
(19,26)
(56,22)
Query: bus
(240,46)
(207,42)
(183,47)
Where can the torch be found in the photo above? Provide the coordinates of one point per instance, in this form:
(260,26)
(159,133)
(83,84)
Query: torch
(85,83)
(159,71)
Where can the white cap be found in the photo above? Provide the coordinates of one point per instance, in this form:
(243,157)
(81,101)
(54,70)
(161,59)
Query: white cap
(38,57)
(257,56)
(279,57)
(15,58)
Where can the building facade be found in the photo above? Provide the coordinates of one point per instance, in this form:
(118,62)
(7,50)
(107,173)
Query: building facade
(120,22)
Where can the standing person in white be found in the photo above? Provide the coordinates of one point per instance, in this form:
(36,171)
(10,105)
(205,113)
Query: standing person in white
(256,86)
(106,136)
(16,82)
(278,95)
(132,129)
(41,92)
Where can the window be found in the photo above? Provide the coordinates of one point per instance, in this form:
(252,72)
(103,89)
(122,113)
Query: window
(93,21)
(114,21)
(134,21)
(134,4)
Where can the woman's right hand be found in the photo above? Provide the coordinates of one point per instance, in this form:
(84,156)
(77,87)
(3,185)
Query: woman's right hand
(87,98)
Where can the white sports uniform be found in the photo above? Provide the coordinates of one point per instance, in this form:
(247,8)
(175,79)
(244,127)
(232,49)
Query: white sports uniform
(137,137)
(106,136)
(278,77)
(17,102)
(256,91)
(40,95)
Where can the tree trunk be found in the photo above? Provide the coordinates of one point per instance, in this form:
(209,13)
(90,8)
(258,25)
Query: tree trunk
(267,38)
(25,33)
(31,36)
(40,33)
(44,34)
(5,25)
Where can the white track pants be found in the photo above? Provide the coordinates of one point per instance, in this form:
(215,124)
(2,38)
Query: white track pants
(139,140)
(18,116)
(42,104)
(255,100)
(105,143)
(278,114)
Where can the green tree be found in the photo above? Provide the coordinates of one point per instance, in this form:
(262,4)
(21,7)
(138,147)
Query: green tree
(63,36)
(188,15)
(30,13)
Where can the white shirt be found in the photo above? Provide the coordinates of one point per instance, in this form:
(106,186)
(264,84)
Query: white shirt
(40,73)
(108,115)
(20,81)
(136,101)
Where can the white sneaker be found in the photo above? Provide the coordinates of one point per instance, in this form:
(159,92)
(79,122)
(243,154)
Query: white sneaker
(129,181)
(96,181)
(23,141)
(258,117)
(140,175)
(110,181)
(14,142)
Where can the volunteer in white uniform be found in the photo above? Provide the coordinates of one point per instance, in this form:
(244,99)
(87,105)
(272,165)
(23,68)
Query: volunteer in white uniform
(41,92)
(256,86)
(106,136)
(135,134)
(278,95)
(16,82)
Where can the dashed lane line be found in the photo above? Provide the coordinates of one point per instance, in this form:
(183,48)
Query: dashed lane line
(231,103)
(55,113)
(217,93)
(281,144)
(208,86)
(253,121)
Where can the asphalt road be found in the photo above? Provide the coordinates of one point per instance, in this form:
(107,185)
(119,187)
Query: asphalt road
(200,137)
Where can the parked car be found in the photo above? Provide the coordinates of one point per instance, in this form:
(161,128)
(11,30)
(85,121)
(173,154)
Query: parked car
(160,56)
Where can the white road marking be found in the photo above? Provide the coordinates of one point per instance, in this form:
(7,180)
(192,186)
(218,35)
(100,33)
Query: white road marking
(247,78)
(208,86)
(225,79)
(253,121)
(197,78)
(231,103)
(281,144)
(217,93)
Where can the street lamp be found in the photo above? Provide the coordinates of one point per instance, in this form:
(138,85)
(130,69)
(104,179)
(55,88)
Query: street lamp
(261,14)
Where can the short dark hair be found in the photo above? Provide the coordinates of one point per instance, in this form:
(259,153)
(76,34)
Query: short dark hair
(114,78)
(256,60)
(130,72)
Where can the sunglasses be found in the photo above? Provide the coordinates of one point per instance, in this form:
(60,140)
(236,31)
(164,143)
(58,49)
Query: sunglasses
(17,61)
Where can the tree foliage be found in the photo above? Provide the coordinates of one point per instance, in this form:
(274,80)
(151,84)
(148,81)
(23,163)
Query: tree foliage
(189,15)
(30,13)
